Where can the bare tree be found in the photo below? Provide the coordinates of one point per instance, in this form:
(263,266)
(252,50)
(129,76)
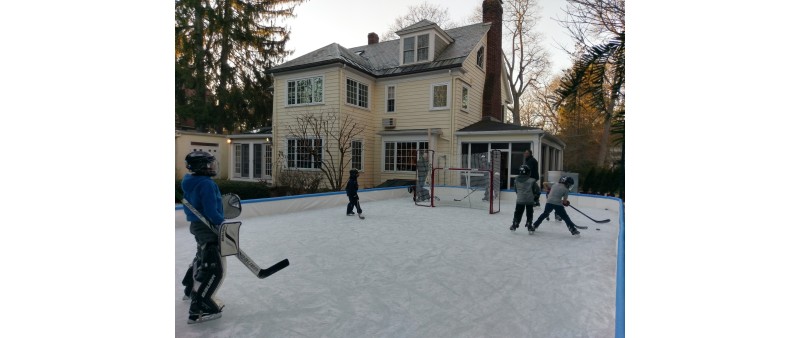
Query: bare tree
(527,62)
(417,13)
(325,139)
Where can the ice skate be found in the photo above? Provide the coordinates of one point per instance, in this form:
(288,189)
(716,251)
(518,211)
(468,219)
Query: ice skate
(351,214)
(361,216)
(514,226)
(204,310)
(574,231)
(530,228)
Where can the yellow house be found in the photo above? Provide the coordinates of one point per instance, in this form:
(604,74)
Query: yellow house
(189,141)
(444,90)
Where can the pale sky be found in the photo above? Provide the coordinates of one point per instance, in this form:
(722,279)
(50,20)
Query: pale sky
(322,22)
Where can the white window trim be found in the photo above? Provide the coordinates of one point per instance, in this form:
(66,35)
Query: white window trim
(386,95)
(449,95)
(322,158)
(251,161)
(286,94)
(416,48)
(362,154)
(396,139)
(345,93)
(483,61)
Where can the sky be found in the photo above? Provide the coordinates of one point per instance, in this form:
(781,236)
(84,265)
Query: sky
(321,22)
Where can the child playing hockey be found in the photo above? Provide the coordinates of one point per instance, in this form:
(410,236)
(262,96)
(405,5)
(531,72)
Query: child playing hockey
(557,200)
(352,194)
(207,271)
(523,186)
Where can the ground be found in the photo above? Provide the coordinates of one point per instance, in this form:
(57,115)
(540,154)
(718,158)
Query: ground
(411,271)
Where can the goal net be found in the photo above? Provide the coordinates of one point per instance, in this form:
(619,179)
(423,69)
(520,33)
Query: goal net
(475,186)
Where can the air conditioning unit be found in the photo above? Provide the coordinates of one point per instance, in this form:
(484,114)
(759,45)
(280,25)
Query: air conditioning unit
(389,122)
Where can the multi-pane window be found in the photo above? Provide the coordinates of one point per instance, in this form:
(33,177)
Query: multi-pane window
(400,156)
(422,48)
(408,50)
(390,98)
(304,153)
(357,153)
(252,160)
(480,57)
(242,160)
(440,96)
(304,91)
(416,46)
(357,93)
(464,98)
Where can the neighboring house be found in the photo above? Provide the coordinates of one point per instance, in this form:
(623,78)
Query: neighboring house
(189,141)
(444,90)
(251,155)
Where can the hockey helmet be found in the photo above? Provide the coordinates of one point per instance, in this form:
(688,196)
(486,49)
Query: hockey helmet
(201,163)
(353,172)
(524,170)
(568,181)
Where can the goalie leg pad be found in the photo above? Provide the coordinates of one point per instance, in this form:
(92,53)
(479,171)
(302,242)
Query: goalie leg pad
(209,271)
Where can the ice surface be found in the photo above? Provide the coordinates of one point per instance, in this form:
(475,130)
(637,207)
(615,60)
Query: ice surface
(411,271)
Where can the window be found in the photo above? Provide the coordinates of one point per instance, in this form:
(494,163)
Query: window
(416,46)
(357,153)
(464,98)
(422,48)
(480,58)
(440,96)
(357,93)
(304,91)
(304,153)
(399,156)
(252,160)
(390,99)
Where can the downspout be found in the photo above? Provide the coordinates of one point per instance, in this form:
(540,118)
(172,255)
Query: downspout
(452,115)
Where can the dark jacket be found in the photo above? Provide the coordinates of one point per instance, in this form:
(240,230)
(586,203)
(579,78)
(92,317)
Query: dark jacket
(534,166)
(352,185)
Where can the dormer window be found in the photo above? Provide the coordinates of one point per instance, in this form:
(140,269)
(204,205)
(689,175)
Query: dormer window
(415,48)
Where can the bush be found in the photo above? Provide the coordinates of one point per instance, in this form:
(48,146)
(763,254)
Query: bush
(245,190)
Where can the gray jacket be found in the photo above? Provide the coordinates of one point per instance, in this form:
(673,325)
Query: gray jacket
(523,185)
(557,193)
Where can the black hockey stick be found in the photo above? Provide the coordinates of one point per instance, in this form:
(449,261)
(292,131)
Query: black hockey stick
(587,216)
(470,193)
(243,257)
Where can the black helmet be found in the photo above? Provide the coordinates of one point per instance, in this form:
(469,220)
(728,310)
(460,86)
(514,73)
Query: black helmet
(353,172)
(568,181)
(524,170)
(201,163)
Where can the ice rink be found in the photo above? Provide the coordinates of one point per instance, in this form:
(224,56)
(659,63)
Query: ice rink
(411,271)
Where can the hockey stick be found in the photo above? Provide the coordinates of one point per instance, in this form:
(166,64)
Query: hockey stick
(243,257)
(470,193)
(587,216)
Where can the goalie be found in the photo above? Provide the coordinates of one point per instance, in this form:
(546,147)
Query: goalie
(207,271)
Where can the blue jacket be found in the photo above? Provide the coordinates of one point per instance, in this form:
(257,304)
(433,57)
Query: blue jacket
(204,195)
(352,186)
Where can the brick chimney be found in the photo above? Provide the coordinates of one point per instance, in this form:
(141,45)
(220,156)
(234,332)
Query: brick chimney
(372,38)
(492,104)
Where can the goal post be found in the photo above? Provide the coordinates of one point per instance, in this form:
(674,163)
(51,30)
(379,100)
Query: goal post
(476,186)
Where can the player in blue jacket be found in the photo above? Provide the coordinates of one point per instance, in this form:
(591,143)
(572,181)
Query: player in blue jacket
(207,271)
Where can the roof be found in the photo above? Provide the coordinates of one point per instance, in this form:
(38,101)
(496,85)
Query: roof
(382,59)
(486,124)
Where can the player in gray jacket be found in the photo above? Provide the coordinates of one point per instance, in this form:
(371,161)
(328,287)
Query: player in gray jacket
(523,186)
(556,201)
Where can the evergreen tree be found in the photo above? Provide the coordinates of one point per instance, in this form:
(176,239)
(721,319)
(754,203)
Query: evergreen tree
(223,50)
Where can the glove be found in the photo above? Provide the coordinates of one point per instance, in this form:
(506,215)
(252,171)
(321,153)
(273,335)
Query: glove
(565,203)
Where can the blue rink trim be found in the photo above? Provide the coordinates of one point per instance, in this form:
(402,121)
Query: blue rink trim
(620,297)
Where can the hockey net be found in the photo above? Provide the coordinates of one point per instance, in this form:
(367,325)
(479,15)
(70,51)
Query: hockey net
(476,186)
